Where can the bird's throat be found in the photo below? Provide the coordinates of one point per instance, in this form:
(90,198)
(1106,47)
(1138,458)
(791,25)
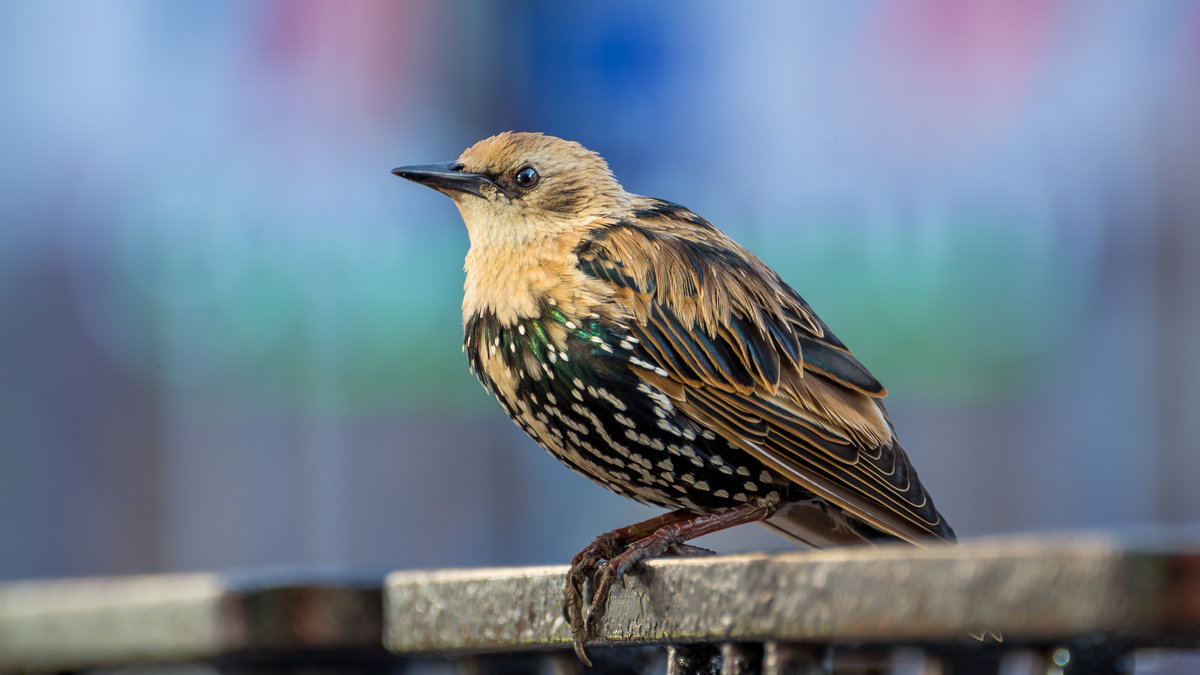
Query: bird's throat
(506,283)
(514,282)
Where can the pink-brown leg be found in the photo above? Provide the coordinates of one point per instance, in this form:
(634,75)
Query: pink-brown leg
(643,540)
(605,547)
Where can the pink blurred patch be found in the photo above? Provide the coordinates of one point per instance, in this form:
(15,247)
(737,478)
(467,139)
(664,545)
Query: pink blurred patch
(943,76)
(368,52)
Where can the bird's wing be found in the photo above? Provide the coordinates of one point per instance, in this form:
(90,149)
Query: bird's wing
(742,354)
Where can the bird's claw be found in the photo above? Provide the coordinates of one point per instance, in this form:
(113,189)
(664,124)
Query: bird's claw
(573,592)
(573,610)
(604,581)
(605,546)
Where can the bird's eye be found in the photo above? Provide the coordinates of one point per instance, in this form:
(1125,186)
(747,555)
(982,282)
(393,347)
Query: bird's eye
(526,178)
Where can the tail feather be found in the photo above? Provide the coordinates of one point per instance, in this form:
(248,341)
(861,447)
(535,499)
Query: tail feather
(818,524)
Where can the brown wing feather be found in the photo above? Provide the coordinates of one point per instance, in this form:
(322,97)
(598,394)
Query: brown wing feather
(733,339)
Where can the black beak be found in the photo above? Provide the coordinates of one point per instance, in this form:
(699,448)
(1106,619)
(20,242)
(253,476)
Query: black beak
(445,177)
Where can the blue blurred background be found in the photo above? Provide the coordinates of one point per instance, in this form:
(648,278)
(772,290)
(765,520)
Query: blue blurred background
(230,338)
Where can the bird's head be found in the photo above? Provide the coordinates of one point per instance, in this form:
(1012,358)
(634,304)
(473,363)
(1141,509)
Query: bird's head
(517,188)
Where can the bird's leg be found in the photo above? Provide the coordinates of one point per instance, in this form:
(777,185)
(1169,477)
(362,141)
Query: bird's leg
(668,534)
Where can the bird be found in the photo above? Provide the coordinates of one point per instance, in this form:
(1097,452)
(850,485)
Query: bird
(646,350)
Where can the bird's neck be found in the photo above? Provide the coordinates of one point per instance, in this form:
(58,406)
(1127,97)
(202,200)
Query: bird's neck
(514,281)
(506,284)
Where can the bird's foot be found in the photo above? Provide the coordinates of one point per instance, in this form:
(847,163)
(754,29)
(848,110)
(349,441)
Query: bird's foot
(605,547)
(664,541)
(627,547)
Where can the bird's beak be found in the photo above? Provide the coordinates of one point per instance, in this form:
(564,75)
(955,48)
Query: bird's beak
(444,177)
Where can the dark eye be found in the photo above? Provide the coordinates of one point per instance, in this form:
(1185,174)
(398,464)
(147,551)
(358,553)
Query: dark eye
(526,178)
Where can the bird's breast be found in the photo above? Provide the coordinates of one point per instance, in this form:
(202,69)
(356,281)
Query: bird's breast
(572,383)
(547,353)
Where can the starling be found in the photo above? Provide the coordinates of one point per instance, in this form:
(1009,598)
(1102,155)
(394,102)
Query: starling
(649,352)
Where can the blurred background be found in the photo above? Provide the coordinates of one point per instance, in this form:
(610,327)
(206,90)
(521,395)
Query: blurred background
(230,338)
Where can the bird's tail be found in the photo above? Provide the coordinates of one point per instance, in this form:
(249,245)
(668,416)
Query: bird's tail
(821,525)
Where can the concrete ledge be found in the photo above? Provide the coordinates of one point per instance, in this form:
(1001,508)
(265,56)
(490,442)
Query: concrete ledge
(1029,590)
(1118,593)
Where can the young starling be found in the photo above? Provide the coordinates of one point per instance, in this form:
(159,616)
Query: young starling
(649,352)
